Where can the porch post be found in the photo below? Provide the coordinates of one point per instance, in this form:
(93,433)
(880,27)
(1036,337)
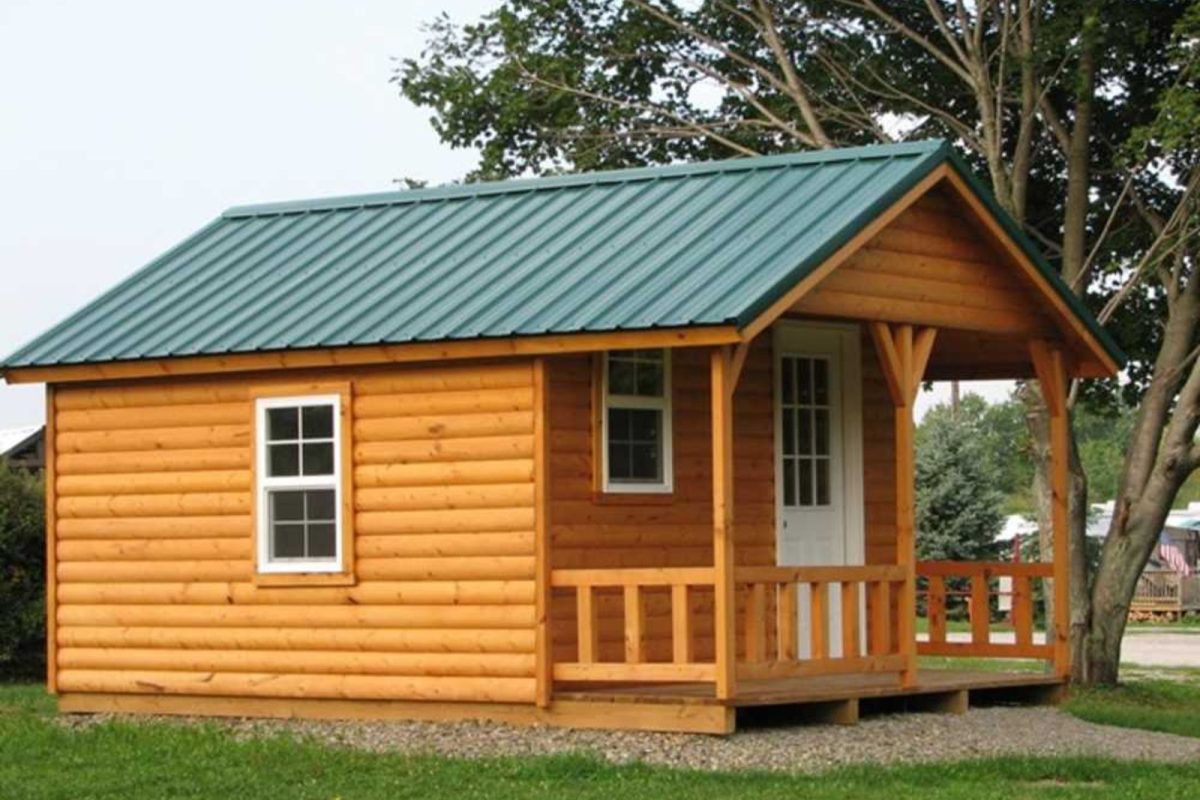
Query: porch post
(1050,367)
(903,357)
(722,476)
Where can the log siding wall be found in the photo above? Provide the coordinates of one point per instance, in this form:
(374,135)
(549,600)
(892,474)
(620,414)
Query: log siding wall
(155,584)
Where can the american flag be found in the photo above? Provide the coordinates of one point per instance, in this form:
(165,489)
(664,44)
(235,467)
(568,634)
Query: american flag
(1171,554)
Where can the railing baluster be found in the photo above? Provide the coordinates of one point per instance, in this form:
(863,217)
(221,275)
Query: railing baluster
(935,608)
(681,624)
(819,619)
(980,614)
(635,624)
(1022,610)
(756,623)
(585,621)
(881,617)
(787,622)
(850,635)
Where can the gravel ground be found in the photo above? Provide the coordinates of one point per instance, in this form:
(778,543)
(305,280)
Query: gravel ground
(889,739)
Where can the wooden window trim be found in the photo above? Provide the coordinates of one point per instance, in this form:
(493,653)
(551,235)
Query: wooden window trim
(344,575)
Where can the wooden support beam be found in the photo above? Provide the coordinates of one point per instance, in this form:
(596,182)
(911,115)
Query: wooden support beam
(904,354)
(724,627)
(51,448)
(1050,365)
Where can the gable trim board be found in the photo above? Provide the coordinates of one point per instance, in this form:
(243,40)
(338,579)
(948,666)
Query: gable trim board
(787,263)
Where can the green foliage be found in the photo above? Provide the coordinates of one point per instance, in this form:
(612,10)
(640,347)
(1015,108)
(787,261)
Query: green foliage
(22,574)
(959,511)
(121,759)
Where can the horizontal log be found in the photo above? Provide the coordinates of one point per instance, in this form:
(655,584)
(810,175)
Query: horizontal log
(463,377)
(174,416)
(828,302)
(445,473)
(422,498)
(513,665)
(931,290)
(153,571)
(254,616)
(507,543)
(367,687)
(444,448)
(470,401)
(447,569)
(382,523)
(191,527)
(364,639)
(206,437)
(153,550)
(515,592)
(153,483)
(392,429)
(151,394)
(155,505)
(165,461)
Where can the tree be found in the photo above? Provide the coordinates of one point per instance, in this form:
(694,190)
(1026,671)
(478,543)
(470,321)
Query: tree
(959,512)
(22,574)
(1066,106)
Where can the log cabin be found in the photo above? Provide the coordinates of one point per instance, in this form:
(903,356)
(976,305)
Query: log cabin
(631,449)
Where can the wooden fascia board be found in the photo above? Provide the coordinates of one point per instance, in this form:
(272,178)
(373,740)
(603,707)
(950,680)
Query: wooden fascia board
(363,355)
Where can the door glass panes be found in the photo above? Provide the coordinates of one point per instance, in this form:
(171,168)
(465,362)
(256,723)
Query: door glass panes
(806,431)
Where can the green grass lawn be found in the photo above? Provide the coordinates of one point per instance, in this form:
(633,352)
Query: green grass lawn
(1172,706)
(166,760)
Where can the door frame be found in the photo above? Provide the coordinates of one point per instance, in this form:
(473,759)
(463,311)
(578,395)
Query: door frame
(850,352)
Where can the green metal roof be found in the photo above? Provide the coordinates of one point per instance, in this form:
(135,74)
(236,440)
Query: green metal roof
(698,244)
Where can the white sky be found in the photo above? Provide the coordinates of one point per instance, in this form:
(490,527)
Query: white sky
(125,126)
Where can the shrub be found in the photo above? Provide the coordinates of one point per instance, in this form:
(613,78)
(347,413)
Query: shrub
(22,574)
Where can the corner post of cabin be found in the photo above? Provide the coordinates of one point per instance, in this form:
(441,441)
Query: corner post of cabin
(724,633)
(543,651)
(903,354)
(1050,367)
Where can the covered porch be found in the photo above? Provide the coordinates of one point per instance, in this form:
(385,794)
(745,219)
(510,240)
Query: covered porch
(732,635)
(932,291)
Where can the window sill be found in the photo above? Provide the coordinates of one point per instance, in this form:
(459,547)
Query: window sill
(273,579)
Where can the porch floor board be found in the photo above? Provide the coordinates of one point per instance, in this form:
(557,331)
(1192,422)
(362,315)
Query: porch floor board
(814,689)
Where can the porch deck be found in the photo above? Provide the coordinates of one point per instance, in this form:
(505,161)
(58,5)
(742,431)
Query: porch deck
(951,687)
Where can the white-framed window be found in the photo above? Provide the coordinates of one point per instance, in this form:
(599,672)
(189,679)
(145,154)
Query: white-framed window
(298,452)
(636,421)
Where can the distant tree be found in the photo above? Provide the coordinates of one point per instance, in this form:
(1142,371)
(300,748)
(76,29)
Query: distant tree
(959,509)
(22,574)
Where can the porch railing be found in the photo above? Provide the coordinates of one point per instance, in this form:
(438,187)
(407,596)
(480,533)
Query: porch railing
(772,645)
(1166,590)
(976,582)
(632,585)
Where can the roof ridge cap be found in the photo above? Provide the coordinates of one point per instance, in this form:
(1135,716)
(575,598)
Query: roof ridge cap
(529,184)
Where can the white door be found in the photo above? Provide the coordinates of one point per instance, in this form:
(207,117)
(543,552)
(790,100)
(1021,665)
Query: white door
(818,455)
